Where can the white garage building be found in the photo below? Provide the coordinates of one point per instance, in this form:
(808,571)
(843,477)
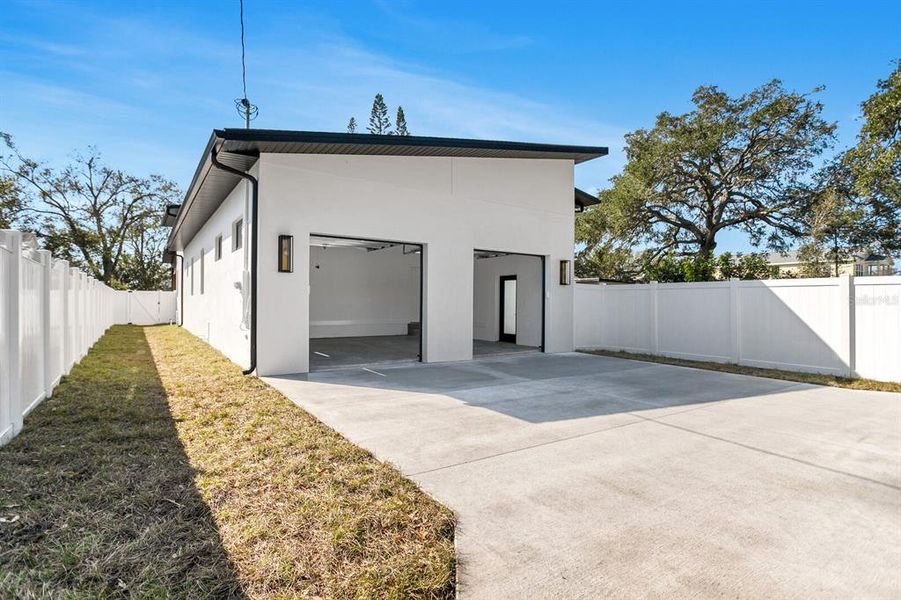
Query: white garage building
(296,250)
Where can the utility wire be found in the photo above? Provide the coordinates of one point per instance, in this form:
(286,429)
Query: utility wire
(243,64)
(245,108)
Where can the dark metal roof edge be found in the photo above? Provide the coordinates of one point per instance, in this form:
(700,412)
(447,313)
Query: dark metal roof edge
(191,191)
(328,137)
(278,135)
(583,198)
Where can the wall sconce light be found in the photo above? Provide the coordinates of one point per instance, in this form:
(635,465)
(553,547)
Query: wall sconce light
(565,272)
(286,254)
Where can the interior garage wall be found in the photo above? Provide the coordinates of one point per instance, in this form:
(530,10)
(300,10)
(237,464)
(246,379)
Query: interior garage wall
(355,292)
(486,297)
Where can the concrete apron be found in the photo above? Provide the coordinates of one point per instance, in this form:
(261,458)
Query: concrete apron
(576,476)
(345,352)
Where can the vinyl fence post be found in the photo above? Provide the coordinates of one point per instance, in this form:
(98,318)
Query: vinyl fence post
(46,260)
(13,242)
(846,325)
(734,321)
(75,344)
(655,338)
(64,318)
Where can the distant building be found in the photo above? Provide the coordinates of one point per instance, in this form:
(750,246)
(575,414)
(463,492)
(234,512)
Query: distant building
(860,265)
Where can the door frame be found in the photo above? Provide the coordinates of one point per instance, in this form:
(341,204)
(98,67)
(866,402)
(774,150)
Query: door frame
(501,336)
(543,259)
(421,246)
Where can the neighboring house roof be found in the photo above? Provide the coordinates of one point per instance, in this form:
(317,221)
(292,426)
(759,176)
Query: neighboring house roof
(783,258)
(240,149)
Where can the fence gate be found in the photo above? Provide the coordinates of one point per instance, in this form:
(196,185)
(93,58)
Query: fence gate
(144,308)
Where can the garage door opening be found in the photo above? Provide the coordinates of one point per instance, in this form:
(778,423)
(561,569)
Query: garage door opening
(508,303)
(365,302)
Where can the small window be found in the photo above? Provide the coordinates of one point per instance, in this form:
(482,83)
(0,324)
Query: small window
(201,270)
(238,235)
(192,275)
(218,253)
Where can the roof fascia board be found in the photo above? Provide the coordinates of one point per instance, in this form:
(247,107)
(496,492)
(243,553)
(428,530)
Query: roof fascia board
(274,135)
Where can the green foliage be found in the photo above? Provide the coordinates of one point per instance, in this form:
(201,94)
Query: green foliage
(10,205)
(731,163)
(744,266)
(400,122)
(98,218)
(838,227)
(142,268)
(669,268)
(704,267)
(814,262)
(875,164)
(599,253)
(379,123)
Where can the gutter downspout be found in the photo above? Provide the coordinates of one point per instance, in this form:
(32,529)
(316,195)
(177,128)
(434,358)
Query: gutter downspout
(254,211)
(181,289)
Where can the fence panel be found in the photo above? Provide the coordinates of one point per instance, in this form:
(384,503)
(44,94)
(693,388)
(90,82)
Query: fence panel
(795,325)
(842,326)
(693,321)
(588,307)
(55,354)
(32,334)
(6,421)
(50,316)
(143,308)
(877,327)
(625,322)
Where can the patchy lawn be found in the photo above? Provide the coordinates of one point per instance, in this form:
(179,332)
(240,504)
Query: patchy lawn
(158,470)
(815,378)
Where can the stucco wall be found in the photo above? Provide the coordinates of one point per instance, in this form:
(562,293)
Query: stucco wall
(354,292)
(215,315)
(486,297)
(450,205)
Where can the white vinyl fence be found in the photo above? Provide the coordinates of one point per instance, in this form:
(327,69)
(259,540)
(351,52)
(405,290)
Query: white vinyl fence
(50,315)
(843,326)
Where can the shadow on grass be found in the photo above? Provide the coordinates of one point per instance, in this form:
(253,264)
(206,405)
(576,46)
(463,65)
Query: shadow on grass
(97,494)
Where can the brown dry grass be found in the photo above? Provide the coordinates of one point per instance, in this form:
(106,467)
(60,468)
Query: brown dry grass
(157,470)
(814,378)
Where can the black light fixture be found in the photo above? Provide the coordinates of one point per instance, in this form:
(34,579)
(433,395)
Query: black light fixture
(286,254)
(565,272)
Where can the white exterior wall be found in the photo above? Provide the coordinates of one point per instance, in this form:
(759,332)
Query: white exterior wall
(449,205)
(216,314)
(843,326)
(486,297)
(358,293)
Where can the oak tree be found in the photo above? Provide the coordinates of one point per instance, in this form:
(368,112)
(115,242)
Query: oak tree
(88,212)
(730,163)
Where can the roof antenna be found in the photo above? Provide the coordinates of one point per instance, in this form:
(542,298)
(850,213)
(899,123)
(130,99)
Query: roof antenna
(245,108)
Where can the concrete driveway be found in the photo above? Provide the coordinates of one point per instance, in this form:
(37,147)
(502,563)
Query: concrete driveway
(577,476)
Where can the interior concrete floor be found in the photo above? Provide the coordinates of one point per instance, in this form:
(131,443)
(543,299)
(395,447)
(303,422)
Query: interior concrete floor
(328,353)
(578,476)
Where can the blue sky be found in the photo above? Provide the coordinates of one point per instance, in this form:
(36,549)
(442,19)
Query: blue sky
(146,82)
